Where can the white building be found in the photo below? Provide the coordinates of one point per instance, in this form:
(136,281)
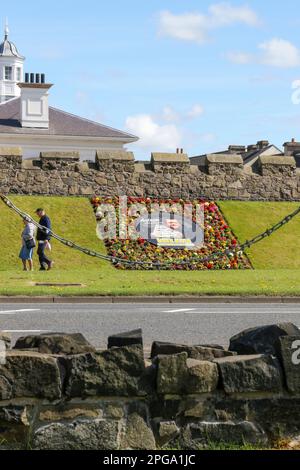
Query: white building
(27,120)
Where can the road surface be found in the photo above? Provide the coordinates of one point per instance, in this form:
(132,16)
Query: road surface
(188,324)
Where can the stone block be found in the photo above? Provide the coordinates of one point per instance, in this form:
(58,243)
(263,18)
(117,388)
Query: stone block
(203,376)
(263,339)
(56,343)
(247,374)
(172,374)
(206,433)
(126,339)
(169,158)
(116,372)
(11,152)
(15,426)
(78,435)
(6,339)
(30,374)
(137,435)
(202,352)
(167,431)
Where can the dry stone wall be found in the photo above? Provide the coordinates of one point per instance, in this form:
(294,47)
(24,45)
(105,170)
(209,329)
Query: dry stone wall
(58,392)
(166,176)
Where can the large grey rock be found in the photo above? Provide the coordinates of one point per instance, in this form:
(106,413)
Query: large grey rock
(137,435)
(290,355)
(203,376)
(79,435)
(172,374)
(30,374)
(117,372)
(207,433)
(56,343)
(202,353)
(126,339)
(263,339)
(257,373)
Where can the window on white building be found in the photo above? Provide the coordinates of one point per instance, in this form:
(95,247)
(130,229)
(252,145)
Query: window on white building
(19,74)
(8,73)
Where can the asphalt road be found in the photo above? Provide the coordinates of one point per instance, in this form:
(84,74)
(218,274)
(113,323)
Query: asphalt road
(189,324)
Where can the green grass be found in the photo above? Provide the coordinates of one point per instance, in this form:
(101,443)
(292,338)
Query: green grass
(277,259)
(248,219)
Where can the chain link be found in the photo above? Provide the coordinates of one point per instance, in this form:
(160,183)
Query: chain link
(213,257)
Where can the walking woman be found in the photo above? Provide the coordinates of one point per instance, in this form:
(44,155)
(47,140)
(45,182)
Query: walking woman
(28,245)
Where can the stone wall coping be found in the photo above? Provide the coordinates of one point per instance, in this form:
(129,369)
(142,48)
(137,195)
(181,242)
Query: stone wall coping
(169,158)
(59,155)
(224,158)
(119,155)
(11,152)
(276,160)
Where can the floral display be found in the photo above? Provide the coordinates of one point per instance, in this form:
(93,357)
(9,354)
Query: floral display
(218,237)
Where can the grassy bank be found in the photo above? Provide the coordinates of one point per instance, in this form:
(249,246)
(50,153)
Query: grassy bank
(276,259)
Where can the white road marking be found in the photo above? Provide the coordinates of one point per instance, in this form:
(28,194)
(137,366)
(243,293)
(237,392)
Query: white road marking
(23,310)
(180,310)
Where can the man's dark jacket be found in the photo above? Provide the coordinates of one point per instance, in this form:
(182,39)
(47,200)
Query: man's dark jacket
(43,235)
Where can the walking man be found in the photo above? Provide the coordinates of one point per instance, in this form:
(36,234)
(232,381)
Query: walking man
(43,237)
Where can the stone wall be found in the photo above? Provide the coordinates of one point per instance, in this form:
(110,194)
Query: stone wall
(58,392)
(166,175)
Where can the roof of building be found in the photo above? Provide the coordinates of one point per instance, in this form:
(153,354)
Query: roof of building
(249,154)
(61,123)
(8,48)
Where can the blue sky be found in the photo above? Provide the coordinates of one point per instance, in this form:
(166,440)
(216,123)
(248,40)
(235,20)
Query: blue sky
(195,74)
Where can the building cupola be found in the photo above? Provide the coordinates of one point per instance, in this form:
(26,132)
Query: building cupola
(11,68)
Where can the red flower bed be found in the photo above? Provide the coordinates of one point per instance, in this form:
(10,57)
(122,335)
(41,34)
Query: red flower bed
(217,237)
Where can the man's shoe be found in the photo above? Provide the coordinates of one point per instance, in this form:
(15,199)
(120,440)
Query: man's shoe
(50,266)
(42,269)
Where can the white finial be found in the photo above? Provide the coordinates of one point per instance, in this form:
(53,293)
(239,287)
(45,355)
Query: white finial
(6,30)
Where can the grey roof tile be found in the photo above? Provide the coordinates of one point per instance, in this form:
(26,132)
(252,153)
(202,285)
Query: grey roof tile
(61,123)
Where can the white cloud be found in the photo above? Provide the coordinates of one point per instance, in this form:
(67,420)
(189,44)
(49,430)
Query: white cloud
(153,136)
(275,53)
(170,115)
(280,53)
(196,26)
(196,111)
(226,14)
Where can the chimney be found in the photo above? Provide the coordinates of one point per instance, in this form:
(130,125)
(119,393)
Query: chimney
(291,148)
(252,148)
(34,101)
(237,149)
(263,144)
